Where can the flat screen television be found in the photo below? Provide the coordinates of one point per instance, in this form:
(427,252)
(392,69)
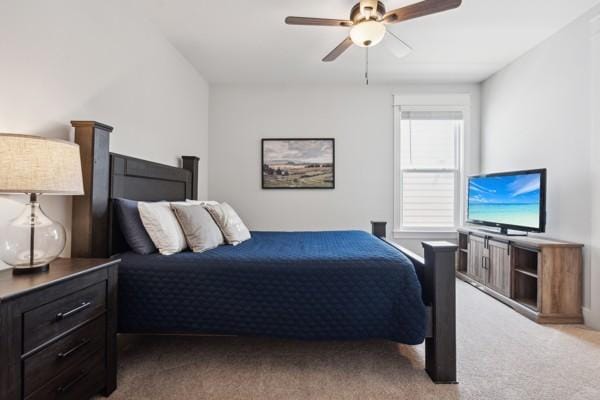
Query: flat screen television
(508,200)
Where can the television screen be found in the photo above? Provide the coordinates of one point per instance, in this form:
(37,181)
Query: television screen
(512,200)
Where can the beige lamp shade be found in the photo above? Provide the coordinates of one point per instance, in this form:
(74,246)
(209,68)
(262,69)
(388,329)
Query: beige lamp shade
(32,164)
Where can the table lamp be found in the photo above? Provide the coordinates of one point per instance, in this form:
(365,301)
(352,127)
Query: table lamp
(34,165)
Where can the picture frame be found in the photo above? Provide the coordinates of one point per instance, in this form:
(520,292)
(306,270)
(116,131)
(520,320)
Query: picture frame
(298,163)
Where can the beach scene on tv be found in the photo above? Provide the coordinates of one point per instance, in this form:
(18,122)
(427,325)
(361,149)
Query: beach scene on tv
(512,200)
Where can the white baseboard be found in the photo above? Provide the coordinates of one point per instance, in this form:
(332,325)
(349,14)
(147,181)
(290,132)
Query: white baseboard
(591,321)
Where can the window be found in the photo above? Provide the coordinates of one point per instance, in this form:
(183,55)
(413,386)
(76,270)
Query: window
(428,167)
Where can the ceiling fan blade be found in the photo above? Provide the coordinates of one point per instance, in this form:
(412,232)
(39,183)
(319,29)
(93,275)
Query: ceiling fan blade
(317,21)
(335,53)
(396,46)
(421,9)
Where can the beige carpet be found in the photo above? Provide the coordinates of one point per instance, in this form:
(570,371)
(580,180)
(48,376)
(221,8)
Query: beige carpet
(501,355)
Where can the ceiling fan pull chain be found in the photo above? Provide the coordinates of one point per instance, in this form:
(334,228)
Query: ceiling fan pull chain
(367,68)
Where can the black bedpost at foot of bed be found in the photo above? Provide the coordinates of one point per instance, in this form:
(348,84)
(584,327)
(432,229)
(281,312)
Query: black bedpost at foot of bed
(436,272)
(440,345)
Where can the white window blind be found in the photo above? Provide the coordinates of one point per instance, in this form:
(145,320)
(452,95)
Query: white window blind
(429,168)
(428,199)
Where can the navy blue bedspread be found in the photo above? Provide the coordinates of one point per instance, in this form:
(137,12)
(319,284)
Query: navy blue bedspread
(345,285)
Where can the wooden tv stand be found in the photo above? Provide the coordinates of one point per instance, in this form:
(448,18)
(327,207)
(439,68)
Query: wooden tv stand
(539,278)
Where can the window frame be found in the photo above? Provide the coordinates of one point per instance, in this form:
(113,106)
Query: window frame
(458,102)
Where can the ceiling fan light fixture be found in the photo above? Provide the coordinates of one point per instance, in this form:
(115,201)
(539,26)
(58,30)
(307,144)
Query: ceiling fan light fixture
(367,33)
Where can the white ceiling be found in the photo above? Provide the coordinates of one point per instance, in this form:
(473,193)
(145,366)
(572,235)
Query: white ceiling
(246,41)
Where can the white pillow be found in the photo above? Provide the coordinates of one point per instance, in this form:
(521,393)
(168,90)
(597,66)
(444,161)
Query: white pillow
(229,221)
(201,231)
(162,227)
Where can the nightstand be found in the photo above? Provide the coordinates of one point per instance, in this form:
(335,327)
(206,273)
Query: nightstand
(58,331)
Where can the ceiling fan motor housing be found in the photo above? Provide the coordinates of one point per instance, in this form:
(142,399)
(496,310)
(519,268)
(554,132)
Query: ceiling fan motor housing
(357,16)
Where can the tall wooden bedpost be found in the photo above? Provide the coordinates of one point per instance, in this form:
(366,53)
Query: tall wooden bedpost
(90,213)
(438,281)
(190,163)
(440,347)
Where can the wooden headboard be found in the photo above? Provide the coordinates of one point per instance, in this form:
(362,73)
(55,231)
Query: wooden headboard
(95,232)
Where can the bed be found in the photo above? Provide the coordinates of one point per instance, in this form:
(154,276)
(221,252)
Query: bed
(344,285)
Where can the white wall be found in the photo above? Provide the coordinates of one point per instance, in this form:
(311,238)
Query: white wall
(537,113)
(595,175)
(65,60)
(361,120)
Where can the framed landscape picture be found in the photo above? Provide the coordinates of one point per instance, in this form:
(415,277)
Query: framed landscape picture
(298,163)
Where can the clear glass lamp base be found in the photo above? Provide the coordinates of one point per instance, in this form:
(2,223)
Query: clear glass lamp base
(32,240)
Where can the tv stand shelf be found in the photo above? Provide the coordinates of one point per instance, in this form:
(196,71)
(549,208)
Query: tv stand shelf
(540,278)
(526,272)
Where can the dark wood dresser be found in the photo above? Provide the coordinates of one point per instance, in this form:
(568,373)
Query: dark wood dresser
(58,331)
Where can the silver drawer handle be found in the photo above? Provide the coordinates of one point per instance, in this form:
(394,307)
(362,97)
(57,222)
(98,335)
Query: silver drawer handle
(65,354)
(67,314)
(66,387)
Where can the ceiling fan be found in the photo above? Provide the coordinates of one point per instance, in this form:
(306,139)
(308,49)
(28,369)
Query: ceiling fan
(368,20)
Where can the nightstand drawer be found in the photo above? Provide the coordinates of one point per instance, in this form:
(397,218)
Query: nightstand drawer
(79,382)
(50,320)
(69,351)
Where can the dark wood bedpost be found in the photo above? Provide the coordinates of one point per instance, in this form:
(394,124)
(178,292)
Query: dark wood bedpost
(439,287)
(190,163)
(440,347)
(90,213)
